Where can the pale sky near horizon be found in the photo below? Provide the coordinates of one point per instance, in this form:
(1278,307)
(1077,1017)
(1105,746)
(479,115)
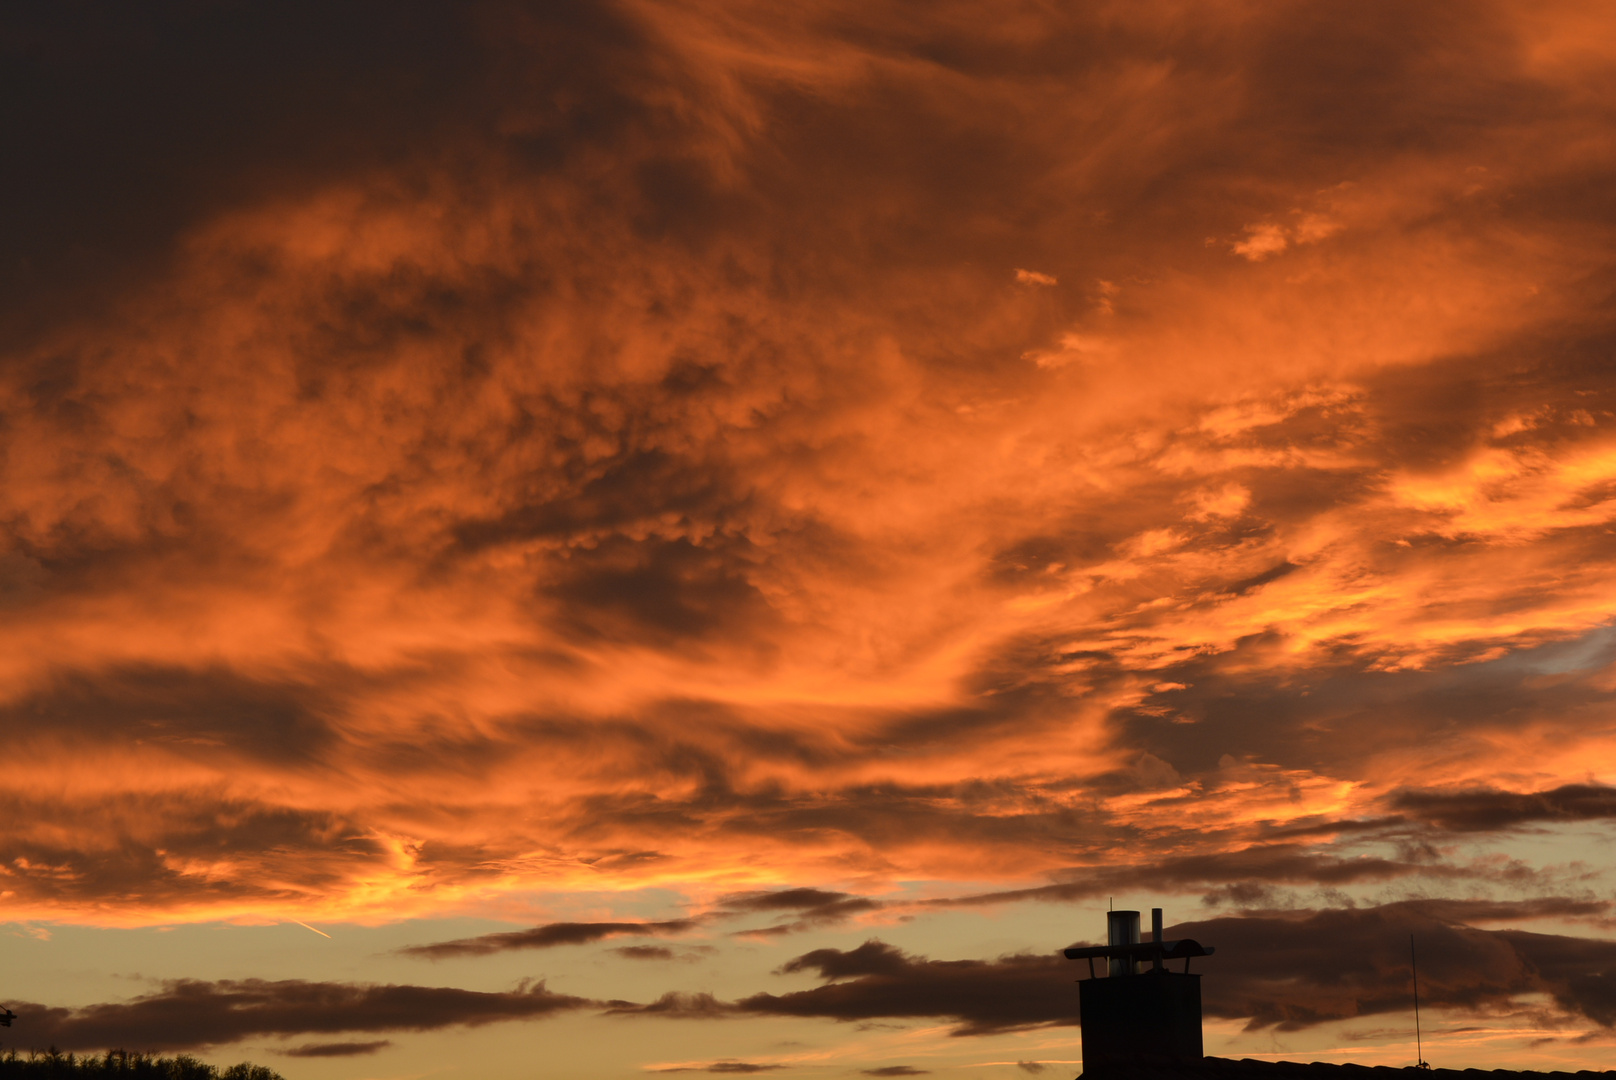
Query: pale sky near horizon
(602,539)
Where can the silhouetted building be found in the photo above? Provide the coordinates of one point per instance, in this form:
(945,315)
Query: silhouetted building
(1142,1021)
(1139,1014)
(1214,1068)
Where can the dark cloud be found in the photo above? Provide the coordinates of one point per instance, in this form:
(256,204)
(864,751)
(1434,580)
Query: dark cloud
(1276,863)
(871,958)
(210,715)
(1580,975)
(337,1049)
(547,936)
(803,899)
(981,997)
(1031,1066)
(644,952)
(1508,911)
(133,125)
(662,592)
(189,1013)
(814,908)
(1287,971)
(724,1067)
(677,1005)
(141,859)
(1488,809)
(896,1070)
(1262,864)
(1294,971)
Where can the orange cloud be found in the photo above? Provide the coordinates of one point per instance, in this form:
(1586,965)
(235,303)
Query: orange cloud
(661,471)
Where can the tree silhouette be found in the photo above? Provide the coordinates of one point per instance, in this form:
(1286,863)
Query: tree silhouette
(53,1064)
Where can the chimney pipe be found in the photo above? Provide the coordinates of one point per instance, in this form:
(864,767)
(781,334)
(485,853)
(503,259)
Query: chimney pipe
(1156,936)
(1122,928)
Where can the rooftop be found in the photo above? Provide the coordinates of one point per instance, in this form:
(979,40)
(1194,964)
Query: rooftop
(1214,1068)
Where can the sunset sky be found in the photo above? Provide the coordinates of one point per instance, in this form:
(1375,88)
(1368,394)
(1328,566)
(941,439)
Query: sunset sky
(605,539)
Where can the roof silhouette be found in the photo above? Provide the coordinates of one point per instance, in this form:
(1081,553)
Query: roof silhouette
(1215,1068)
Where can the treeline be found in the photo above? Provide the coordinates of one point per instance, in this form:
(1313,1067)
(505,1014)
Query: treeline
(52,1064)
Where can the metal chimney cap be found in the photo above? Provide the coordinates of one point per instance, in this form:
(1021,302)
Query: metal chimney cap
(1143,950)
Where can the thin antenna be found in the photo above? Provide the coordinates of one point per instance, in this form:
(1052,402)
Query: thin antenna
(1110,903)
(1419,1046)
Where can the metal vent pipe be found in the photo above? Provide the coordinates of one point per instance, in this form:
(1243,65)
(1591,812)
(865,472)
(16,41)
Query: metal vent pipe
(1156,936)
(1122,928)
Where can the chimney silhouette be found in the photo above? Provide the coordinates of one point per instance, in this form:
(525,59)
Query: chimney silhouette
(1134,1016)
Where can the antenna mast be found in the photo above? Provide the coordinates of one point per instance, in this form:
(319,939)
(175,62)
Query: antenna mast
(1419,1046)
